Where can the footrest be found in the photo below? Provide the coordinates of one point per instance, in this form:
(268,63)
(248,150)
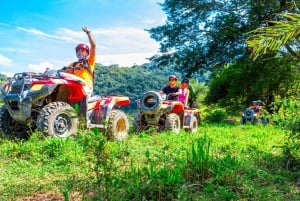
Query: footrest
(96,126)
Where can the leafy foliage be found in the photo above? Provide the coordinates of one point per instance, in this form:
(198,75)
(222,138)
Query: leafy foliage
(131,82)
(288,117)
(198,91)
(283,35)
(2,78)
(216,115)
(201,35)
(244,81)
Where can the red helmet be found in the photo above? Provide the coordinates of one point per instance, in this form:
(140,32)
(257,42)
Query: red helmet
(173,77)
(83,46)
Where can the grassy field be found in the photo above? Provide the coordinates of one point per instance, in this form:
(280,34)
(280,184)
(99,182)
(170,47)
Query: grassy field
(220,162)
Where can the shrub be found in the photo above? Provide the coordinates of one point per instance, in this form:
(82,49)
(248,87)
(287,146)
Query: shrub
(216,115)
(288,117)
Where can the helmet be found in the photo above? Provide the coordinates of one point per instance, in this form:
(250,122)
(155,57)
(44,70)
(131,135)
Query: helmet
(259,102)
(173,77)
(83,46)
(185,80)
(254,102)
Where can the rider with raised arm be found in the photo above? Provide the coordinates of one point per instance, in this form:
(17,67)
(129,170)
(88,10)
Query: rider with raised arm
(84,66)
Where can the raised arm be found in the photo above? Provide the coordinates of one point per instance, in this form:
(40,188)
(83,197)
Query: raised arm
(91,40)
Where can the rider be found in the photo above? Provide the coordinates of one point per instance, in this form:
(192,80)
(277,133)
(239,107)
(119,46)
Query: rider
(256,107)
(184,92)
(84,67)
(172,89)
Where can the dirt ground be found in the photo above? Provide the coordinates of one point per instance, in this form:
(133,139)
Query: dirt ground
(51,196)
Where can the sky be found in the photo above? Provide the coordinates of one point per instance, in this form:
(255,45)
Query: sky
(35,35)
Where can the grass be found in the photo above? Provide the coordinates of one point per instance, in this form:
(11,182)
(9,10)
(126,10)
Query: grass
(220,162)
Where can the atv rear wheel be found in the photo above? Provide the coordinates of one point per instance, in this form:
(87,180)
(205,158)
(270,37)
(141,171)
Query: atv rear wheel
(10,127)
(194,125)
(173,123)
(58,119)
(118,125)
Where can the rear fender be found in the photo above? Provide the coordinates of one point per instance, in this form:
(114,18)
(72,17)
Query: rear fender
(101,109)
(121,100)
(178,107)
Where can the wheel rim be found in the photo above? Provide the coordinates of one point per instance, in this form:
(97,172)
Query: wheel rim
(176,126)
(194,126)
(121,126)
(62,124)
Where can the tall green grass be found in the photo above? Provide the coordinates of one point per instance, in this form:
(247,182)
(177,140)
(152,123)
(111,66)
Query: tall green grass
(219,162)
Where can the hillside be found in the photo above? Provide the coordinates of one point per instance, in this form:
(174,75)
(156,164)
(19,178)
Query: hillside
(132,82)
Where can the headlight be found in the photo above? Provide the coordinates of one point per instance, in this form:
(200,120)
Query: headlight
(36,87)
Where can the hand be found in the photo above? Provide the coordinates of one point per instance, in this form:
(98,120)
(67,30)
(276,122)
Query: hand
(85,29)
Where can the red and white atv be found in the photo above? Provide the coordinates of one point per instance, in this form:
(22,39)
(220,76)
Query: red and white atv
(162,114)
(49,101)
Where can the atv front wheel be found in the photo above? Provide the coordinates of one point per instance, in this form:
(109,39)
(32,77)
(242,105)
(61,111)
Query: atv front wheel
(139,123)
(10,127)
(118,125)
(243,120)
(58,119)
(248,113)
(173,123)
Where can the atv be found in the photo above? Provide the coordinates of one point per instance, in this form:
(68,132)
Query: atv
(155,111)
(51,102)
(254,114)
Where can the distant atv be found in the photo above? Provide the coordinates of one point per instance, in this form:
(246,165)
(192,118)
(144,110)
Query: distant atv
(162,114)
(254,114)
(48,102)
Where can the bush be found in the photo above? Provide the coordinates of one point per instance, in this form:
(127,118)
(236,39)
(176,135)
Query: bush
(216,115)
(288,118)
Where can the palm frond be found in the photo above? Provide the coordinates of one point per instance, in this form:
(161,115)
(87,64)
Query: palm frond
(273,38)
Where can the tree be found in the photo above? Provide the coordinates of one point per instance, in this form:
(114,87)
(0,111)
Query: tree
(3,79)
(283,38)
(244,81)
(201,36)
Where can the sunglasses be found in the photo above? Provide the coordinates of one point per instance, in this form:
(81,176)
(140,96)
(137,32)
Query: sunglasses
(172,80)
